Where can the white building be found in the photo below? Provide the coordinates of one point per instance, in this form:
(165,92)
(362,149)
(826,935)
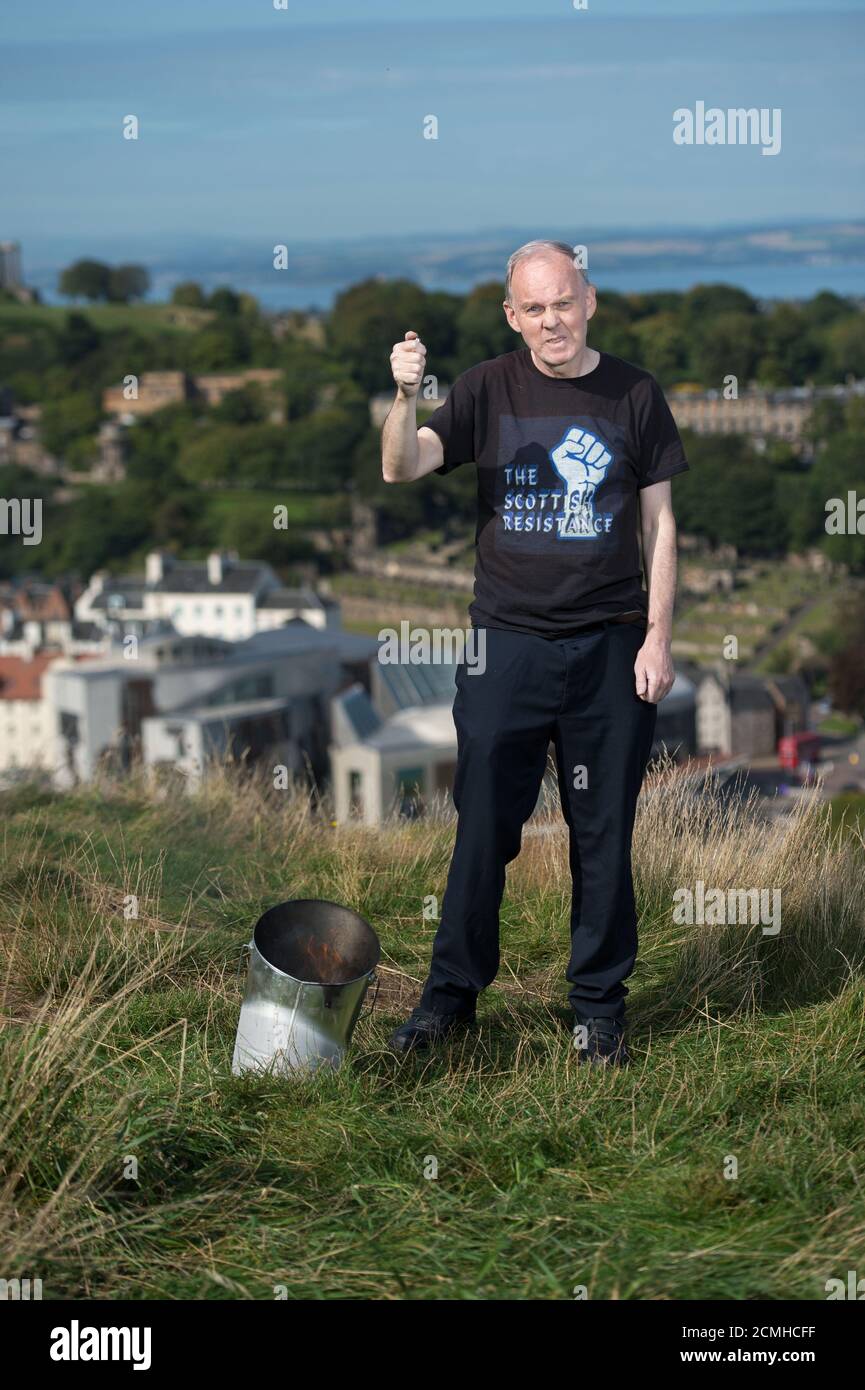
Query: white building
(25,722)
(401,764)
(178,700)
(396,750)
(219,597)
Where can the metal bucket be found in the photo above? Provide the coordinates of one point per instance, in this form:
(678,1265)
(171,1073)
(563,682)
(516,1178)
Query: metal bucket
(310,965)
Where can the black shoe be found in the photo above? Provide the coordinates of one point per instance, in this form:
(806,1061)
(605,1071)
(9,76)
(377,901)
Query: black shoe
(604,1042)
(423,1030)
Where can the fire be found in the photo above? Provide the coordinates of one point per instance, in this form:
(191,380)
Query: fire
(325,961)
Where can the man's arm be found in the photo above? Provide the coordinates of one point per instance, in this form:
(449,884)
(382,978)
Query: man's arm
(408,453)
(653,667)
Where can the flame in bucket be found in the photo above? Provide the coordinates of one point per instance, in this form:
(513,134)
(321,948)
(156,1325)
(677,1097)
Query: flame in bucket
(310,964)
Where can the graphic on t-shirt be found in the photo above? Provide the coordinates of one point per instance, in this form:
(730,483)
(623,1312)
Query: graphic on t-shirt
(581,460)
(557,477)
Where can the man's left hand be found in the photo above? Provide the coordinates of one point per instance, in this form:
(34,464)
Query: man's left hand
(653,670)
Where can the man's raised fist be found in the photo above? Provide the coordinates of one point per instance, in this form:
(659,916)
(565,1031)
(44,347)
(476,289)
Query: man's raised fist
(407,362)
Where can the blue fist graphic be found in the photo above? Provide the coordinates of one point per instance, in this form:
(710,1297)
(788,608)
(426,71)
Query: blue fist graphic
(581,461)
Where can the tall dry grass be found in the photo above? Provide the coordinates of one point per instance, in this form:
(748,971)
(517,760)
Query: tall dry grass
(117,1031)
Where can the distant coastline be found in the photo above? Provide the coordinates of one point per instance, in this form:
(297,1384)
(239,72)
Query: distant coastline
(774,262)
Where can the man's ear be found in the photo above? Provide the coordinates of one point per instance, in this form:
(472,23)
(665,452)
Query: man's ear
(510,315)
(591,301)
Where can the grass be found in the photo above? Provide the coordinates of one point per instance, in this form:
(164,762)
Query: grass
(144,318)
(137,1167)
(256,508)
(842,725)
(753,609)
(399,591)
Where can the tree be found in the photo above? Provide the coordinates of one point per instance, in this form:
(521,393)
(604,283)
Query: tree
(308,373)
(370,317)
(846,344)
(705,302)
(225,302)
(792,350)
(838,470)
(846,680)
(85,280)
(482,329)
(827,307)
(731,495)
(188,295)
(610,330)
(730,344)
(77,339)
(221,345)
(127,282)
(663,349)
(68,418)
(245,406)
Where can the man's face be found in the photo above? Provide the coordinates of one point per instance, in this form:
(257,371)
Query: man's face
(551,307)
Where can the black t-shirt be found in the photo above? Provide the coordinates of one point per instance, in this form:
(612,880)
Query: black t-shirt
(559,464)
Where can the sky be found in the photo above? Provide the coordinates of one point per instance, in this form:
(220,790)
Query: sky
(303,123)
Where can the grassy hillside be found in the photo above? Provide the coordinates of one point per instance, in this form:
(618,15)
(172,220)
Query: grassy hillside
(118,1031)
(142,317)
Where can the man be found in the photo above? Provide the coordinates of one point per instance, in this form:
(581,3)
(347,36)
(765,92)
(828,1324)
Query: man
(574,451)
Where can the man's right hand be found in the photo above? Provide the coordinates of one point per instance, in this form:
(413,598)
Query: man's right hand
(407,362)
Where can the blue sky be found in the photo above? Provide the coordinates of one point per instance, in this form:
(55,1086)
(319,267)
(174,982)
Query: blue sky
(307,123)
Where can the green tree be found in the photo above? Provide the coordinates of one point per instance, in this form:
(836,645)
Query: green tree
(67,419)
(846,348)
(827,307)
(370,317)
(224,301)
(245,406)
(482,329)
(662,347)
(85,279)
(839,470)
(846,680)
(126,283)
(731,344)
(731,495)
(77,339)
(705,302)
(188,295)
(792,349)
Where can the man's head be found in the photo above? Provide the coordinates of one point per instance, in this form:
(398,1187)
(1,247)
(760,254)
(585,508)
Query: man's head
(549,300)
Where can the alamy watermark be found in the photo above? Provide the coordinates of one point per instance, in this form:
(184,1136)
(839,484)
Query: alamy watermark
(738,125)
(21,516)
(437,646)
(720,907)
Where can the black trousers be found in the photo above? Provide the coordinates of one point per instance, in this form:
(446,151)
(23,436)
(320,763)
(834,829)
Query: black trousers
(578,693)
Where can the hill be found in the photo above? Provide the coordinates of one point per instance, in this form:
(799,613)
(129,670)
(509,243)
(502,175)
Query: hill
(137,1167)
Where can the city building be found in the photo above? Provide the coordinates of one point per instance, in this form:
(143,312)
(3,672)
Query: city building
(177,701)
(155,390)
(10,266)
(36,616)
(744,715)
(221,596)
(25,720)
(394,747)
(762,415)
